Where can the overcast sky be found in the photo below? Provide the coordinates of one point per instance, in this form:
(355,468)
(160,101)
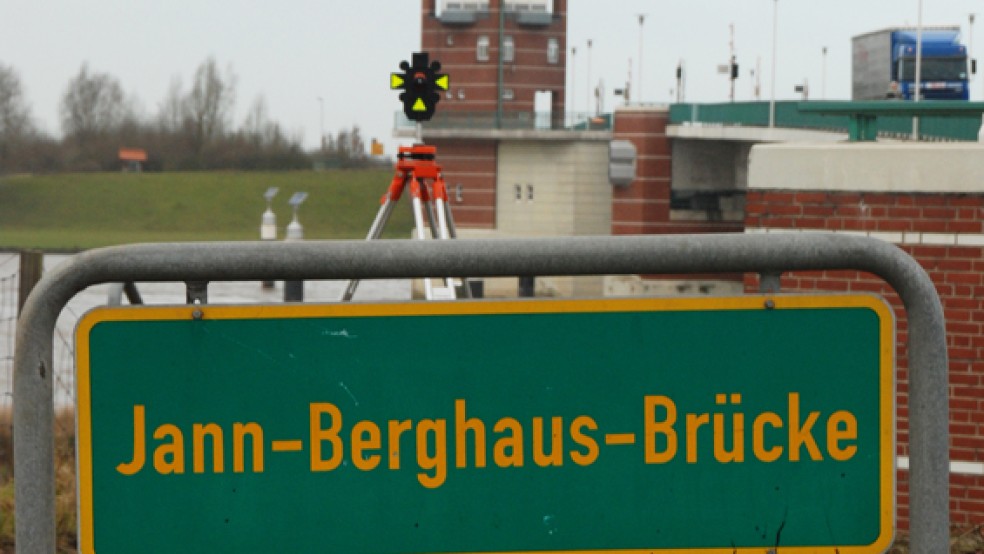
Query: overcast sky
(293,52)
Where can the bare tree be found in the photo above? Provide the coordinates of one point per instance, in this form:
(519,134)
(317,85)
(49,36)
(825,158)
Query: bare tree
(93,105)
(173,111)
(257,121)
(356,146)
(15,119)
(14,115)
(210,102)
(347,148)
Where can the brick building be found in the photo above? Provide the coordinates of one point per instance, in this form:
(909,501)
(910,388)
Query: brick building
(507,64)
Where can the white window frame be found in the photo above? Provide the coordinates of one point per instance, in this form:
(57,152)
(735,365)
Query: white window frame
(508,49)
(553,51)
(482,48)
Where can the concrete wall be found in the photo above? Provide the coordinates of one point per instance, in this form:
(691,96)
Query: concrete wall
(929,200)
(883,167)
(710,165)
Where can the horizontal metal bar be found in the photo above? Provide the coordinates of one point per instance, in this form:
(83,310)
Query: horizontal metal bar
(928,431)
(881,107)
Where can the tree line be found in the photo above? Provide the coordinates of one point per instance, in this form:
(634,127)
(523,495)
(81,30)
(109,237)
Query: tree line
(193,129)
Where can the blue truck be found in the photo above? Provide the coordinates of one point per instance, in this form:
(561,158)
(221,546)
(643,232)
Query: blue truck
(884,64)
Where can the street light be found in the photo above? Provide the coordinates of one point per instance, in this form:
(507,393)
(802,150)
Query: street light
(573,107)
(588,109)
(642,19)
(823,76)
(321,103)
(972,70)
(775,33)
(918,83)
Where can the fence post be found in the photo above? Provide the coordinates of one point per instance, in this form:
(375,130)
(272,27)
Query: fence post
(31,267)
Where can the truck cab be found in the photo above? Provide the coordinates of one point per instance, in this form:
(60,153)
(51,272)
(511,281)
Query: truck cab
(943,75)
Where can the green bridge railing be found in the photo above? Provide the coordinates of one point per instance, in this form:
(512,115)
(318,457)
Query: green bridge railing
(939,120)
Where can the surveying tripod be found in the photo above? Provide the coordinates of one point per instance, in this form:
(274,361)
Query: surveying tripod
(416,166)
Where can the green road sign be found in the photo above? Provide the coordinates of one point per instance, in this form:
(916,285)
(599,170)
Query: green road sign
(642,425)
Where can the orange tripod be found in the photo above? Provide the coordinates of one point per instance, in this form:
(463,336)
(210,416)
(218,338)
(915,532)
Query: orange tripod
(416,167)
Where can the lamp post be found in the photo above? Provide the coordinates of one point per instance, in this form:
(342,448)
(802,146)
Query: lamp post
(321,104)
(642,19)
(775,33)
(573,107)
(823,75)
(918,82)
(972,69)
(588,104)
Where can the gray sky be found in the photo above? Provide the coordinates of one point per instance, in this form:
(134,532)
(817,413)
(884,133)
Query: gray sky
(294,51)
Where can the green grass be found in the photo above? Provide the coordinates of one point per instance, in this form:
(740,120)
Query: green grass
(85,210)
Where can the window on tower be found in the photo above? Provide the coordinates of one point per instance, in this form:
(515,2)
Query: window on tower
(482,50)
(553,51)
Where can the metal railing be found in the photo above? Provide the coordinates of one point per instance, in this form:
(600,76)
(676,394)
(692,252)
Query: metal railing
(789,114)
(526,121)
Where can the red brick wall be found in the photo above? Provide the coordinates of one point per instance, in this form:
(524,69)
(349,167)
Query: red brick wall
(645,203)
(643,207)
(471,164)
(943,232)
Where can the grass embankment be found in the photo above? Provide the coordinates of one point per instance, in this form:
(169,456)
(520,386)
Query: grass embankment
(85,210)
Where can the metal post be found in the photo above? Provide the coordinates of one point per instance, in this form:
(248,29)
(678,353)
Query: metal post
(775,33)
(31,268)
(321,141)
(642,19)
(501,78)
(918,82)
(196,292)
(588,105)
(731,63)
(823,75)
(769,282)
(573,85)
(971,64)
(527,286)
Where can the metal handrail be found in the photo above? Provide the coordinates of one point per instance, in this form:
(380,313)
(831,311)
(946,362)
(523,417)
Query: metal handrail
(666,254)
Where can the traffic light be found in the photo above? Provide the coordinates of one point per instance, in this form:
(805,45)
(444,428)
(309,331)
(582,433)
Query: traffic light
(419,82)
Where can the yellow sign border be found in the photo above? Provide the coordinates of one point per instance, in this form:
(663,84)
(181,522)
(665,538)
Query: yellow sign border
(886,385)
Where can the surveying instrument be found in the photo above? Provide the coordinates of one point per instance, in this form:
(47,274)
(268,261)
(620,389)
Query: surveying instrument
(418,170)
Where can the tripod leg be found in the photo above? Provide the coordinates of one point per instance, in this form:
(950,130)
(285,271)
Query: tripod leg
(376,230)
(416,196)
(428,203)
(446,224)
